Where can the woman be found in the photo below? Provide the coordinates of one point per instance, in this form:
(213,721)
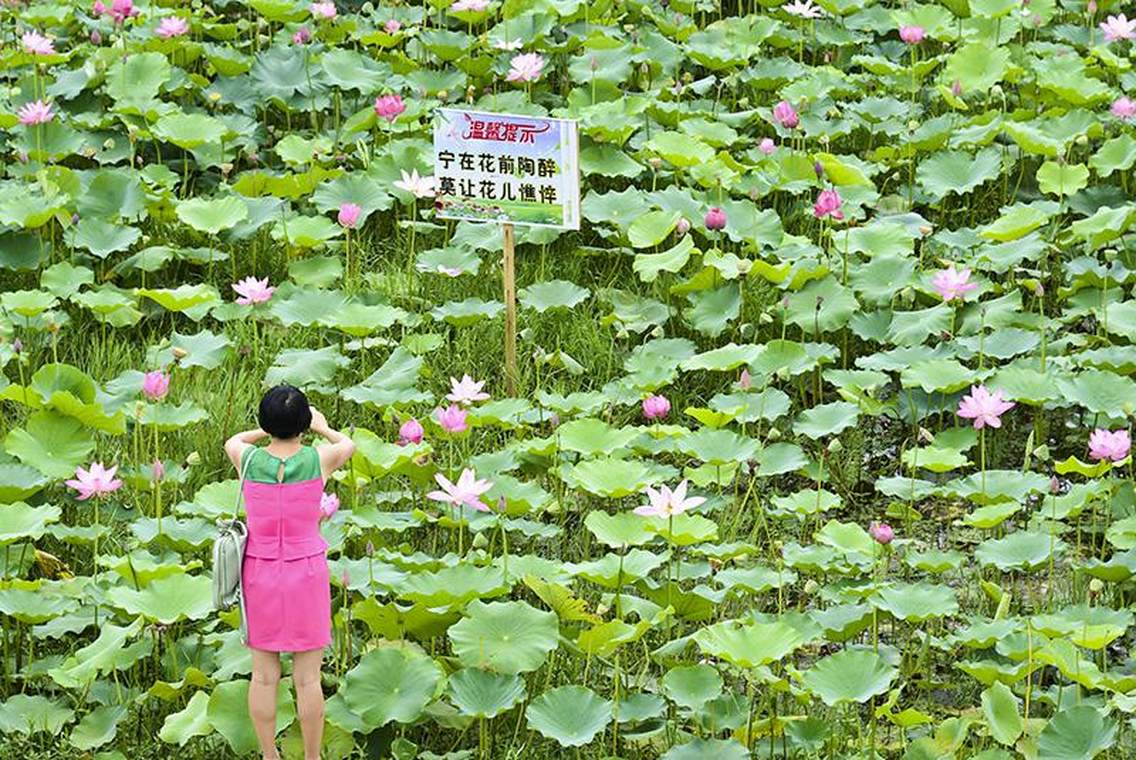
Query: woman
(287,589)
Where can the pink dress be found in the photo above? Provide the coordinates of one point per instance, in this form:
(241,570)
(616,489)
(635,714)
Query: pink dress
(287,584)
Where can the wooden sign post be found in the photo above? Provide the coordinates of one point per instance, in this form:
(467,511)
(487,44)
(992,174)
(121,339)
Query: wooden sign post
(510,281)
(508,169)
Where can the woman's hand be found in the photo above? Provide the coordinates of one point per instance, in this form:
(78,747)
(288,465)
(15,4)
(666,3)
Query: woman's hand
(319,424)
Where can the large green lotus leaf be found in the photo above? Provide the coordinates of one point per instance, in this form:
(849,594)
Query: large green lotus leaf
(722,359)
(212,215)
(916,602)
(202,349)
(359,188)
(808,501)
(31,714)
(28,303)
(182,298)
(781,458)
(227,712)
(553,294)
(614,570)
(64,279)
(468,312)
(938,375)
(719,447)
(1080,731)
(136,79)
(1088,627)
(692,686)
(18,481)
(614,530)
(1021,550)
(52,443)
(1105,225)
(481,694)
(391,684)
(179,727)
(504,637)
(1114,155)
(977,66)
(704,749)
(393,383)
(611,478)
(306,231)
(823,305)
(316,271)
(113,195)
(608,161)
(592,437)
(712,311)
(102,238)
(307,306)
(648,265)
(651,228)
(304,368)
(679,150)
(958,172)
(848,537)
(453,586)
(18,521)
(749,645)
(169,599)
(1100,392)
(827,419)
(167,417)
(190,130)
(684,529)
(852,675)
(572,715)
(98,657)
(350,70)
(97,727)
(1062,179)
(1014,223)
(34,604)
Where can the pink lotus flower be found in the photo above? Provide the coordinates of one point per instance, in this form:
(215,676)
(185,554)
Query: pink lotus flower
(466,391)
(389,107)
(767,146)
(419,187)
(157,470)
(172,26)
(253,291)
(667,503)
(881,533)
(36,44)
(329,505)
(984,407)
(656,407)
(410,432)
(828,203)
(1123,108)
(98,8)
(912,35)
(950,283)
(1118,28)
(325,11)
(785,115)
(96,38)
(155,385)
(745,382)
(452,419)
(120,10)
(467,490)
(715,219)
(302,36)
(94,482)
(1112,445)
(36,112)
(475,6)
(804,9)
(526,67)
(392,26)
(349,215)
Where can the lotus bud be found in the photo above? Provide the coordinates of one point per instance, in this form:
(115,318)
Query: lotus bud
(818,169)
(1038,289)
(785,303)
(502,505)
(829,56)
(345,578)
(1096,585)
(655,162)
(179,353)
(811,587)
(158,469)
(554,420)
(924,230)
(1091,7)
(683,226)
(17,346)
(96,38)
(193,459)
(370,549)
(926,436)
(480,541)
(1054,485)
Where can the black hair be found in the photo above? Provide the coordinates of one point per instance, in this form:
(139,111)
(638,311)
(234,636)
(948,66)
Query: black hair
(284,412)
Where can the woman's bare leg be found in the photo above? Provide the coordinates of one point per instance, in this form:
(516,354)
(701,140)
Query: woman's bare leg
(262,699)
(309,699)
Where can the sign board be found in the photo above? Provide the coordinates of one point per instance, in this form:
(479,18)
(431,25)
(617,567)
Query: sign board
(505,168)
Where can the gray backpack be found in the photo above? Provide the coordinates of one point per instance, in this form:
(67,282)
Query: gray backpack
(228,556)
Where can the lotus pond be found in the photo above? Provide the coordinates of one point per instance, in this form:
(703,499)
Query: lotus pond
(820,446)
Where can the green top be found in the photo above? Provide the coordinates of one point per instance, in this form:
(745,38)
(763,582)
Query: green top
(263,467)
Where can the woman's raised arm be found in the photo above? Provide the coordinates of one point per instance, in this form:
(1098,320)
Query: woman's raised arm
(236,445)
(342,447)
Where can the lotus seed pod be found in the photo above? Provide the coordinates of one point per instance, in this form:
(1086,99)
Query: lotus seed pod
(193,459)
(835,446)
(1096,585)
(811,587)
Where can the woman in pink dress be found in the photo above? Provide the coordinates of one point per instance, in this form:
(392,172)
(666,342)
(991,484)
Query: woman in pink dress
(287,589)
